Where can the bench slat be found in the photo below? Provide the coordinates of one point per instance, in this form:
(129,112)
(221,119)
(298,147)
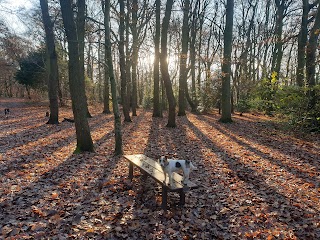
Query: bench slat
(154,169)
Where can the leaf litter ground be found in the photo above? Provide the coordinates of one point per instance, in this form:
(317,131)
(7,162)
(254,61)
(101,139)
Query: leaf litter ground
(257,181)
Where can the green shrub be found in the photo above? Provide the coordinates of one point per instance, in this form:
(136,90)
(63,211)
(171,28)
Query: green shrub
(288,102)
(243,105)
(147,102)
(291,101)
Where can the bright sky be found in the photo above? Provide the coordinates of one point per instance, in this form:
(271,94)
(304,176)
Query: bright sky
(9,9)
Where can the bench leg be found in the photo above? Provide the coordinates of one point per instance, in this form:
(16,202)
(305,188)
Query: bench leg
(164,198)
(144,175)
(130,171)
(182,198)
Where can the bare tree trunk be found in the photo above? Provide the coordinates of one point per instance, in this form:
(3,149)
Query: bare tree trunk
(226,64)
(156,75)
(183,59)
(106,90)
(311,61)
(124,96)
(99,68)
(116,112)
(135,55)
(201,23)
(128,57)
(81,16)
(266,36)
(53,64)
(278,50)
(302,42)
(193,36)
(164,66)
(76,81)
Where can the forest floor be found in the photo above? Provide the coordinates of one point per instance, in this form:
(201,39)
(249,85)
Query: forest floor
(257,180)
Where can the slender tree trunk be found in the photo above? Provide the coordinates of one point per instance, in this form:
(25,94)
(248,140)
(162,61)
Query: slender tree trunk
(76,83)
(53,64)
(81,17)
(156,75)
(128,57)
(135,56)
(246,65)
(193,37)
(266,36)
(226,64)
(164,66)
(106,90)
(116,112)
(302,42)
(311,60)
(124,96)
(183,59)
(193,67)
(99,90)
(191,102)
(28,91)
(278,51)
(288,68)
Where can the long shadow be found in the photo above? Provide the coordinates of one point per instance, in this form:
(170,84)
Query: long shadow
(117,191)
(26,136)
(68,191)
(23,122)
(20,158)
(153,148)
(129,128)
(174,142)
(278,162)
(49,181)
(258,184)
(281,127)
(256,136)
(24,158)
(34,132)
(200,202)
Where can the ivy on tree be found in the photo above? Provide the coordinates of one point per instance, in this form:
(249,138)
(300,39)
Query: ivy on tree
(32,72)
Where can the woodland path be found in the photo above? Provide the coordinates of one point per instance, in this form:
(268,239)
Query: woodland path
(259,181)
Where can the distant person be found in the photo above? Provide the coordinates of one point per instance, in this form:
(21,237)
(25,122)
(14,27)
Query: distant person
(6,112)
(218,105)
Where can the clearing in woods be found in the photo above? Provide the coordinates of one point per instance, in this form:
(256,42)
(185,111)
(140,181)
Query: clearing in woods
(257,180)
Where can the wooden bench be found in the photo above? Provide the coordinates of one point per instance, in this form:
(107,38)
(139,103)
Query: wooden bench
(152,168)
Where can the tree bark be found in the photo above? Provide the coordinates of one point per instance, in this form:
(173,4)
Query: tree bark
(116,112)
(53,64)
(124,96)
(106,90)
(302,42)
(76,81)
(164,66)
(81,18)
(156,74)
(226,64)
(135,55)
(266,36)
(193,37)
(183,59)
(278,50)
(99,87)
(311,60)
(128,60)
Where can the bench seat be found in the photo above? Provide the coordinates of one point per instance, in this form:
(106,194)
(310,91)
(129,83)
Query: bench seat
(152,168)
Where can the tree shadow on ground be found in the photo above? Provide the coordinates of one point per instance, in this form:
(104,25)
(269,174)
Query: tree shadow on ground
(249,141)
(288,210)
